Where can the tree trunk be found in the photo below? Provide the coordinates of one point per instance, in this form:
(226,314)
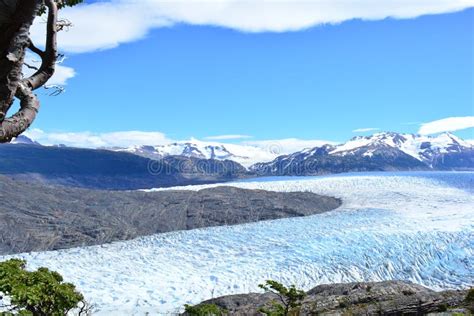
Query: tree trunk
(15,21)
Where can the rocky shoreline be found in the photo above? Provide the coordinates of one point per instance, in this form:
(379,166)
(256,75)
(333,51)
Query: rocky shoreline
(371,298)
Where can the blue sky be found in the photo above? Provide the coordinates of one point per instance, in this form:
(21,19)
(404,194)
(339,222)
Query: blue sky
(315,82)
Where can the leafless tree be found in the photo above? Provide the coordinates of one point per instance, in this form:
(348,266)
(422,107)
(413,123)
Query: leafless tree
(16,19)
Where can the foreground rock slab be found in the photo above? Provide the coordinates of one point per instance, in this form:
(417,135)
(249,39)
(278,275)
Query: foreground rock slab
(372,298)
(38,217)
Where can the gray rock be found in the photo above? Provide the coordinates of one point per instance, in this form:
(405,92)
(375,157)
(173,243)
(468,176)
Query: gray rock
(373,298)
(36,217)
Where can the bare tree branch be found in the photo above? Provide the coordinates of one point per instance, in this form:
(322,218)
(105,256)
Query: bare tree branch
(35,49)
(12,48)
(30,66)
(13,42)
(63,24)
(86,309)
(48,59)
(57,89)
(60,58)
(20,121)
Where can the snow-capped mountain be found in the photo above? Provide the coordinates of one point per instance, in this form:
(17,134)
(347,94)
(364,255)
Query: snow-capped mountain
(246,155)
(187,149)
(22,139)
(423,148)
(379,152)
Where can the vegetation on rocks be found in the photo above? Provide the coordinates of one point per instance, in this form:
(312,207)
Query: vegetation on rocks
(469,300)
(204,310)
(289,299)
(358,298)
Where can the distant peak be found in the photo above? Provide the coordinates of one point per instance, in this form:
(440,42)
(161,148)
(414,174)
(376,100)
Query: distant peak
(22,139)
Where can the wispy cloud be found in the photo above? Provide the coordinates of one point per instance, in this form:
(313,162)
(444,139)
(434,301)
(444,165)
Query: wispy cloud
(366,129)
(103,25)
(449,124)
(95,140)
(228,137)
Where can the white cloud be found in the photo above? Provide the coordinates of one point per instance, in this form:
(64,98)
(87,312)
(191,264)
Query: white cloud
(365,129)
(271,148)
(94,140)
(102,25)
(449,124)
(61,75)
(107,24)
(228,137)
(287,145)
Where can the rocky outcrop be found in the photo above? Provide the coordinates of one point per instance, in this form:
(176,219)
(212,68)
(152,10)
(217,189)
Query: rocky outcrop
(36,217)
(373,298)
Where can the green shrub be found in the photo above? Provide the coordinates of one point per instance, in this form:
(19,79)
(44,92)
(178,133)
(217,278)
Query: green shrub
(470,296)
(290,299)
(40,292)
(344,302)
(443,308)
(204,310)
(469,300)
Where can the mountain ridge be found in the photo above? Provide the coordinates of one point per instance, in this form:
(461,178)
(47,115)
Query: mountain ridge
(201,162)
(413,145)
(109,170)
(385,151)
(245,155)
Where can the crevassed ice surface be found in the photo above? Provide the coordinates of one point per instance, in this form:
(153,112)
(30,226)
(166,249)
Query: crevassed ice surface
(416,227)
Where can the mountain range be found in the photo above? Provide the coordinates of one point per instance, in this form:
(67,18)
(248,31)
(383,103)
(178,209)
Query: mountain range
(181,163)
(246,155)
(379,152)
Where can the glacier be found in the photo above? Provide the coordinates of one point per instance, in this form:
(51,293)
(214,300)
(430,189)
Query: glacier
(408,226)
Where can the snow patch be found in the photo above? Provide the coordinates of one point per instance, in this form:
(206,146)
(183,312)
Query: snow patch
(420,147)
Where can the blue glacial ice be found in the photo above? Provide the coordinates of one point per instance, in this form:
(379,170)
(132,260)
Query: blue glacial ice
(407,226)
